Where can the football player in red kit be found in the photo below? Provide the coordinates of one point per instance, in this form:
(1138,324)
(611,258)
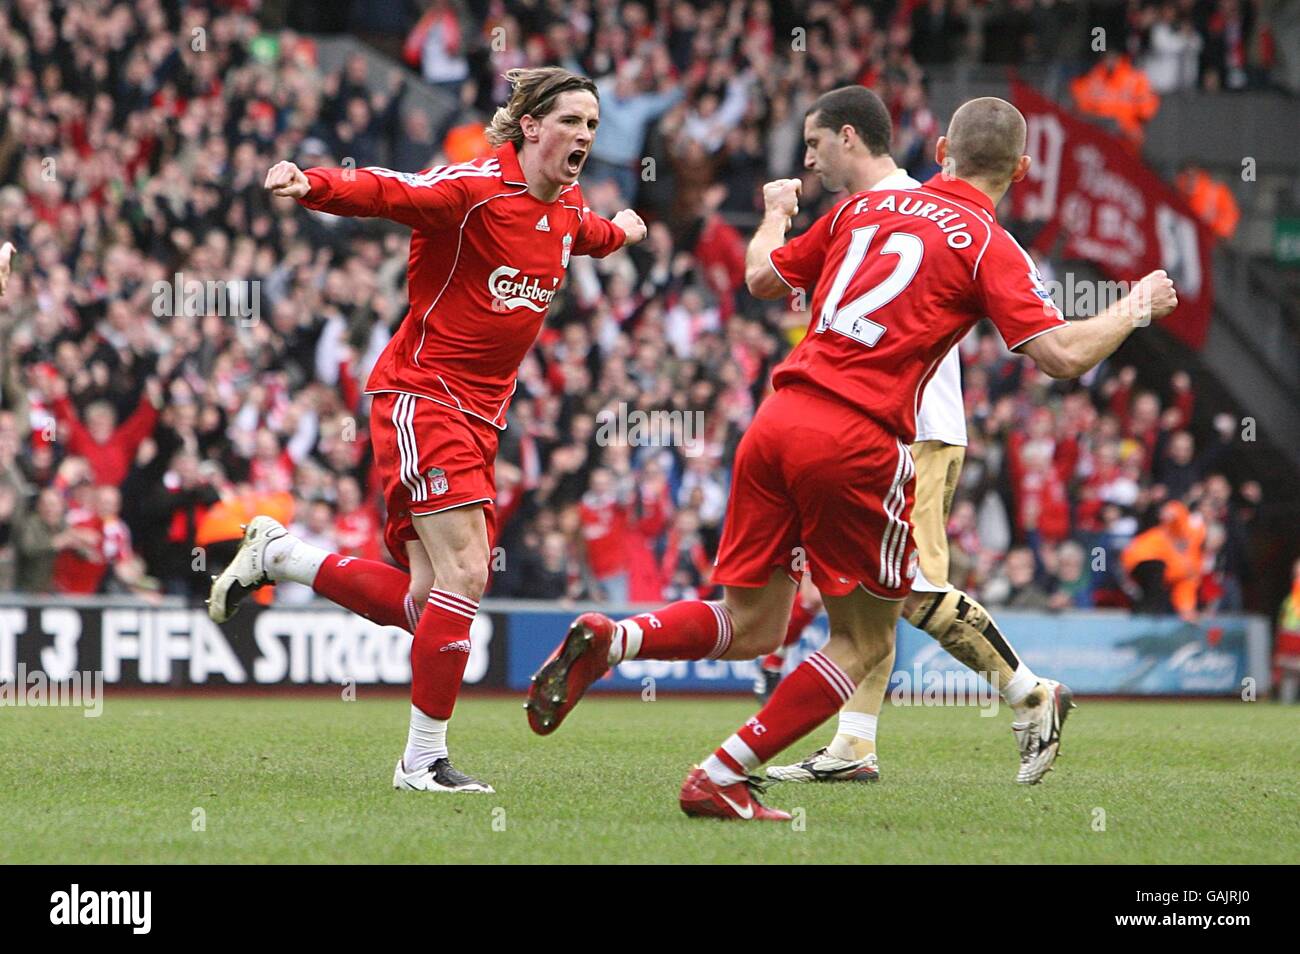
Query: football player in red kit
(823,475)
(491,242)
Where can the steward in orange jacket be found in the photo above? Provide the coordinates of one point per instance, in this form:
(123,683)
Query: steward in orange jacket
(1176,543)
(1117,90)
(1211,200)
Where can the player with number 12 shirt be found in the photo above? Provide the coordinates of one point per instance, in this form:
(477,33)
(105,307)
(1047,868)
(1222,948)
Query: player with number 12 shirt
(823,474)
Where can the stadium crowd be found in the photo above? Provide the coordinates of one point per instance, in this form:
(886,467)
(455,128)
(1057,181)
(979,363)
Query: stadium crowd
(178,350)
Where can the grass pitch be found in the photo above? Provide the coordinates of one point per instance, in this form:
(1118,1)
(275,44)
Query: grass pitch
(266,780)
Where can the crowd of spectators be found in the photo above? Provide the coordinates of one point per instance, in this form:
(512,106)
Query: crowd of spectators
(1096,494)
(135,436)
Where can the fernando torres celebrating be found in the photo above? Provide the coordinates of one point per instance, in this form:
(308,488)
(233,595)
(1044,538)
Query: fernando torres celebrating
(491,242)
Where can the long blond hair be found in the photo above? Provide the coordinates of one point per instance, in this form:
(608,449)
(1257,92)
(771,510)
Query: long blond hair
(533,93)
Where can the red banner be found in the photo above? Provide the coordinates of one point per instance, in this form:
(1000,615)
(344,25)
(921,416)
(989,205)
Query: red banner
(1102,203)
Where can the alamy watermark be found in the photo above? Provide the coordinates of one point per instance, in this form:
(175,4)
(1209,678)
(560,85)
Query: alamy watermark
(947,688)
(192,298)
(637,428)
(81,689)
(75,906)
(1084,298)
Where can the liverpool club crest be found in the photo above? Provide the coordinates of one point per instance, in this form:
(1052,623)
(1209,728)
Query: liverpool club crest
(568,246)
(437,481)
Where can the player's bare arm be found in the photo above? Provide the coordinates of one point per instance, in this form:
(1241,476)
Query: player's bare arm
(781,202)
(1079,346)
(286,180)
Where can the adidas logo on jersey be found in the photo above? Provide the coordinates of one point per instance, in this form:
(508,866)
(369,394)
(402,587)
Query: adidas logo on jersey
(543,225)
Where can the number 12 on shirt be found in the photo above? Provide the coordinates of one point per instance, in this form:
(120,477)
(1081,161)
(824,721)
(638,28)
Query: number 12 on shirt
(851,320)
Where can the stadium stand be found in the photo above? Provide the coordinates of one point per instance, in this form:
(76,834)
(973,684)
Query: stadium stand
(133,432)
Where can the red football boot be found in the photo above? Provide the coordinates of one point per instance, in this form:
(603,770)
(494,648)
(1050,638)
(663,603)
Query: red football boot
(705,798)
(582,658)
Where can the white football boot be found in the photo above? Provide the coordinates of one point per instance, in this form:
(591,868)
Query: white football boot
(247,571)
(821,766)
(441,776)
(1039,734)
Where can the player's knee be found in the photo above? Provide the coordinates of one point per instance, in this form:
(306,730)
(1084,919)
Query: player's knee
(854,656)
(751,644)
(419,591)
(752,634)
(466,577)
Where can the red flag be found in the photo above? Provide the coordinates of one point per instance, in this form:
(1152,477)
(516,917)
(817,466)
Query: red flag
(1107,207)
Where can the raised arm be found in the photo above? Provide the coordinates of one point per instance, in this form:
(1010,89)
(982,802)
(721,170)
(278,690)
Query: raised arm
(1078,346)
(1017,301)
(142,420)
(781,203)
(598,236)
(428,200)
(65,412)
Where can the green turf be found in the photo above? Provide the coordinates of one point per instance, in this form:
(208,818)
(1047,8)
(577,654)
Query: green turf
(308,780)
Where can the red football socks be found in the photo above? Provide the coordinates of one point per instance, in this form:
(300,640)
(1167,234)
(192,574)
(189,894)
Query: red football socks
(804,700)
(800,617)
(375,590)
(690,629)
(440,651)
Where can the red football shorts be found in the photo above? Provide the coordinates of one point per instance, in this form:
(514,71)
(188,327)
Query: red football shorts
(431,457)
(819,484)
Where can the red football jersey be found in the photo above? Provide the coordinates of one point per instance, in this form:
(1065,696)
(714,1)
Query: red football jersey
(604,527)
(73,571)
(900,276)
(357,533)
(486,260)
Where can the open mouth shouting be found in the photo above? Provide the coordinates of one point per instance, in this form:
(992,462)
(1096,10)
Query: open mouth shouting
(573,162)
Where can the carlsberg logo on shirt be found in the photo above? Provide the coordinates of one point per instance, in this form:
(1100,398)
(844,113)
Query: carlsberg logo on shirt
(525,292)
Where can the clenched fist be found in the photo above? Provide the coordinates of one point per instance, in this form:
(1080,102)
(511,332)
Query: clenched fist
(1154,296)
(782,195)
(632,226)
(287,180)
